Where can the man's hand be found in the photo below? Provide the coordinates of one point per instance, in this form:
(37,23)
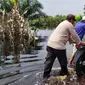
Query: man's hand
(78,46)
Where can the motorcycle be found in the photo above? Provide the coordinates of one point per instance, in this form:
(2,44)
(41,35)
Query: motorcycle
(79,61)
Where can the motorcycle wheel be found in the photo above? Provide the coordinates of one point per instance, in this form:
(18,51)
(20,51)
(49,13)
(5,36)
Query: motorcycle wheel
(80,66)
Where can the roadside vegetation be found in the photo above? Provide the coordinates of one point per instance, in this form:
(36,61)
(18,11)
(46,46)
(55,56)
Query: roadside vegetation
(19,22)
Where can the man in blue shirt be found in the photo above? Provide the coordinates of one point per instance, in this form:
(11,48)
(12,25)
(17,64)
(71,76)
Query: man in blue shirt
(80,28)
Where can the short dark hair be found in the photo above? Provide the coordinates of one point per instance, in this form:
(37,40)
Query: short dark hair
(70,17)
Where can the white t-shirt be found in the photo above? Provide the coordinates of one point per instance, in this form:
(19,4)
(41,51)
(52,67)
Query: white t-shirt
(63,33)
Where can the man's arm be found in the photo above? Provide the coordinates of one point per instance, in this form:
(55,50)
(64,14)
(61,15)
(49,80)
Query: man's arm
(74,38)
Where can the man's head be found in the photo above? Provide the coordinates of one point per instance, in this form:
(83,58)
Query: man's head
(70,18)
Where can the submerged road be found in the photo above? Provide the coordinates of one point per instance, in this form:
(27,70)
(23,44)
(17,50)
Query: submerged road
(25,72)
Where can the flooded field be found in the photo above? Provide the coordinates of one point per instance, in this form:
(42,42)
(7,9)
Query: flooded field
(29,69)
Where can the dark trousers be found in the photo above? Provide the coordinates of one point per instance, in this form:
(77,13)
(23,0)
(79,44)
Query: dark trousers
(50,58)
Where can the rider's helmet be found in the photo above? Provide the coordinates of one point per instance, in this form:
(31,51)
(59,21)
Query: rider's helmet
(78,17)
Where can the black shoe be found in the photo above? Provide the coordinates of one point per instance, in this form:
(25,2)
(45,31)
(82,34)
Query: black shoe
(45,79)
(61,73)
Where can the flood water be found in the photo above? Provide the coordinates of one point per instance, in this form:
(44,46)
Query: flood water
(26,71)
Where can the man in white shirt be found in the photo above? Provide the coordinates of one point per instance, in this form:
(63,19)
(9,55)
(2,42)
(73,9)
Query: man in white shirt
(56,46)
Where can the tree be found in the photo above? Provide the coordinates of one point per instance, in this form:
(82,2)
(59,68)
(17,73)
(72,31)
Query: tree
(30,8)
(5,5)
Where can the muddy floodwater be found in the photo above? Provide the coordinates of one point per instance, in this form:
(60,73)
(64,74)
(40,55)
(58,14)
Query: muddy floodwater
(30,67)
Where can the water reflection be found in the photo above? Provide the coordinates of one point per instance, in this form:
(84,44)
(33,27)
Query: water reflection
(22,60)
(33,50)
(9,74)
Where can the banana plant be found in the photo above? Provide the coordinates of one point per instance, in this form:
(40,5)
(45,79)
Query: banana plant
(31,9)
(5,5)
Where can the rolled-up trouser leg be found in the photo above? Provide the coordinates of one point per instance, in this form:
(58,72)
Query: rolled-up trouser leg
(49,62)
